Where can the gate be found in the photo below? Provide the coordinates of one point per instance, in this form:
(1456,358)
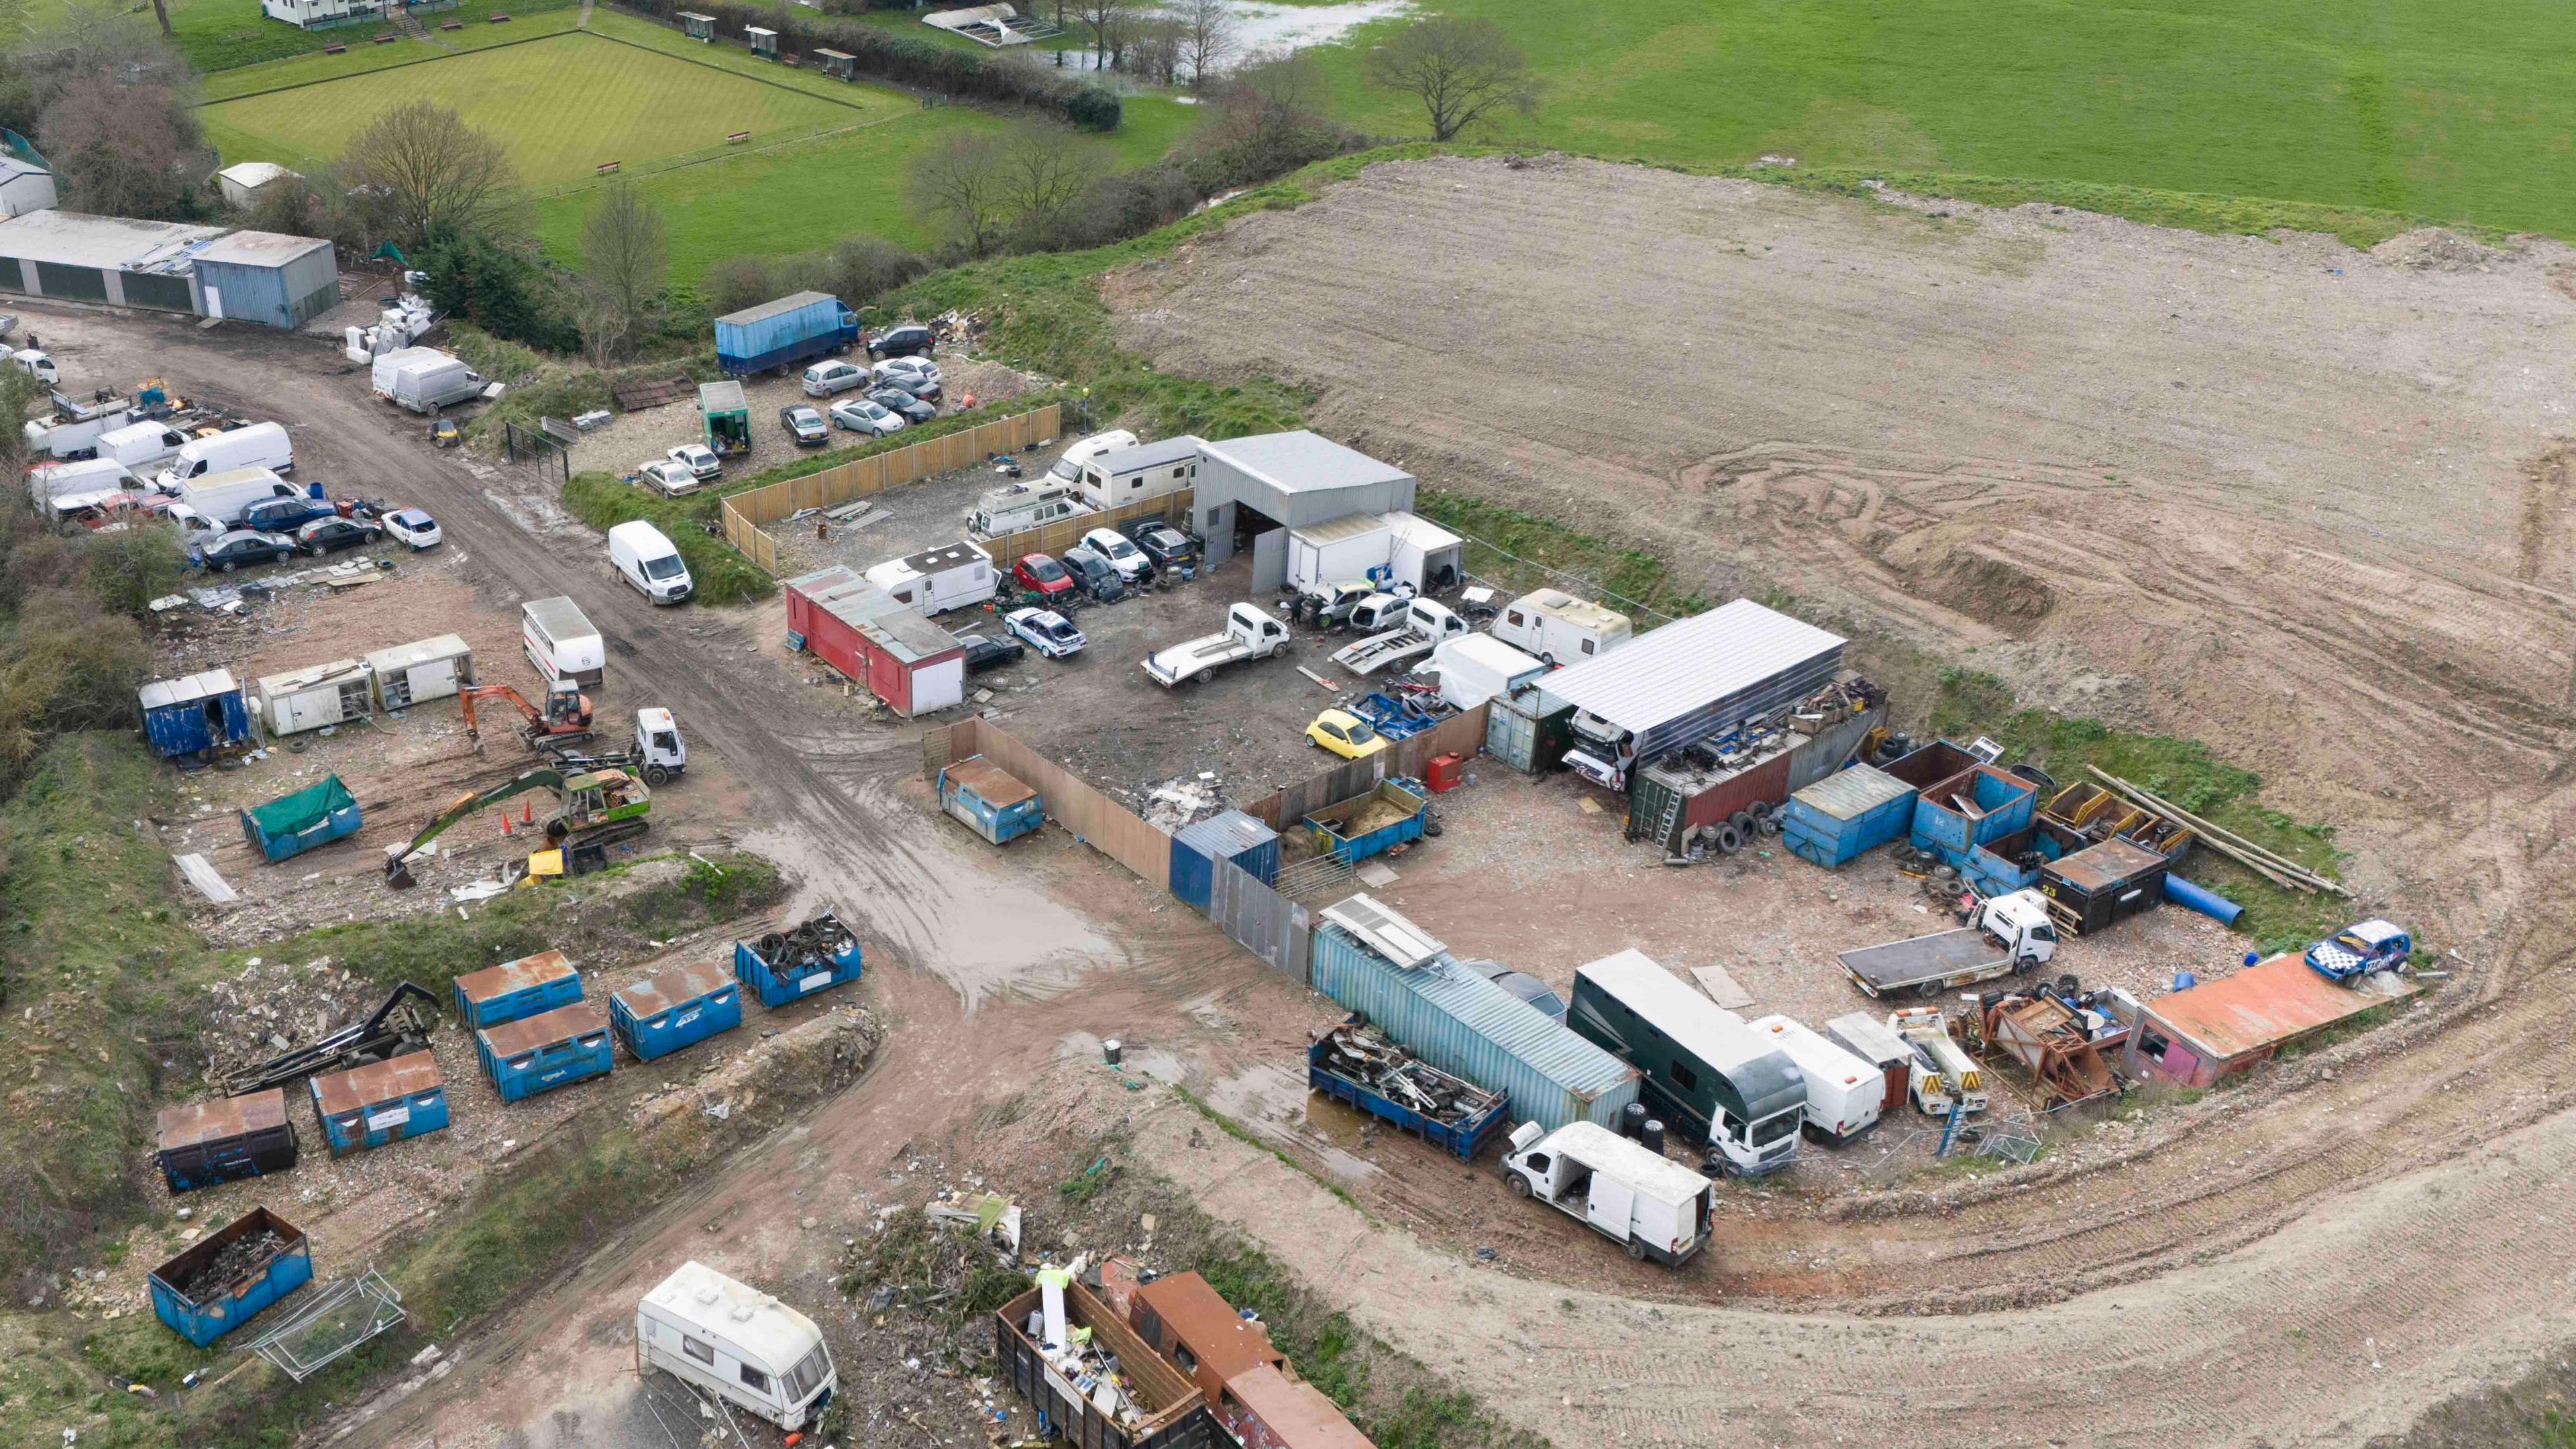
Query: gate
(1259,919)
(536,445)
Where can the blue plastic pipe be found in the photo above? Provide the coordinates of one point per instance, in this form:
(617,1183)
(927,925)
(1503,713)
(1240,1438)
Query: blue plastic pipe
(2200,898)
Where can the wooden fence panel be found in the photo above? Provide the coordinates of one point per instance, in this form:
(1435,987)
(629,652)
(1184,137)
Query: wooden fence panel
(745,512)
(1065,533)
(1462,734)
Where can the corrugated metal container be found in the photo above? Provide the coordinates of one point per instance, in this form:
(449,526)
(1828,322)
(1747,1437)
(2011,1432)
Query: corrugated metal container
(1700,676)
(677,1008)
(875,641)
(1467,1026)
(195,715)
(201,1307)
(1846,813)
(204,1143)
(776,985)
(1830,744)
(546,1051)
(1521,734)
(372,1105)
(269,278)
(2103,884)
(781,332)
(416,673)
(1708,797)
(2003,804)
(980,796)
(517,989)
(1233,837)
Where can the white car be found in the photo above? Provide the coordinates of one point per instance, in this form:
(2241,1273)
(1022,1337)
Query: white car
(920,367)
(40,365)
(1127,558)
(862,416)
(698,458)
(826,378)
(1046,631)
(414,527)
(667,478)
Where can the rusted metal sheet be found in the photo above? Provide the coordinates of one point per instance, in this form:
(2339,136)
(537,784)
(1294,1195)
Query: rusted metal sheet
(1182,1311)
(990,782)
(192,1123)
(362,1087)
(673,987)
(1274,1411)
(544,1029)
(2102,867)
(2260,1008)
(2043,1036)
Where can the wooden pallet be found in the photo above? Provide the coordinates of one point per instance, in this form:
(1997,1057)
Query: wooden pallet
(650,392)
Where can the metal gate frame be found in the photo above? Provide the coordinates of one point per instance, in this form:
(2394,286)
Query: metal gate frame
(1259,919)
(535,445)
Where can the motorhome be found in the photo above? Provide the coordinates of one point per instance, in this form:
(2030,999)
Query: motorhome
(1636,1197)
(1078,454)
(1018,507)
(728,1339)
(1844,1093)
(260,445)
(1559,628)
(935,580)
(1712,1078)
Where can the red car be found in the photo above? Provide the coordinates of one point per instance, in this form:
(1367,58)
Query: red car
(1043,575)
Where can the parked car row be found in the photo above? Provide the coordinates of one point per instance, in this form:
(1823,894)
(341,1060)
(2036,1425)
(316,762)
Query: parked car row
(242,547)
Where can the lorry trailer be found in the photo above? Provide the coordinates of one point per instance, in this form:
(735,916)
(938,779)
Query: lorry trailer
(779,334)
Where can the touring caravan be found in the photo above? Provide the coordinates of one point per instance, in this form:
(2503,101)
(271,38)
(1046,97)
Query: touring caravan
(731,1340)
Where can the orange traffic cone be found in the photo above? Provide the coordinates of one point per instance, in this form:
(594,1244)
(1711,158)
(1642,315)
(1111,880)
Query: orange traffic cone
(505,822)
(527,814)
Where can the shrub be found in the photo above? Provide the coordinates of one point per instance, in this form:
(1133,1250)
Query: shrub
(1093,108)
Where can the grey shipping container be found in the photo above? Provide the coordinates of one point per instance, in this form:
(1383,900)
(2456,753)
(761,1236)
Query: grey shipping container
(1232,837)
(1520,735)
(1450,1016)
(1841,815)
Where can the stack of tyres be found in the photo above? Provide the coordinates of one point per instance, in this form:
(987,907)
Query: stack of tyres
(785,966)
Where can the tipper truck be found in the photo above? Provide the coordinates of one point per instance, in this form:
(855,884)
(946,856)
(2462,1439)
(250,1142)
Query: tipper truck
(778,335)
(1249,633)
(2012,933)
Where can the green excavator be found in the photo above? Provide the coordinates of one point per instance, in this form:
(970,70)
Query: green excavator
(593,810)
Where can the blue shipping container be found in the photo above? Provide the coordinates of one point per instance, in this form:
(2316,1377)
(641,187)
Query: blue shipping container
(385,1102)
(980,796)
(1236,838)
(785,981)
(675,1009)
(516,989)
(310,818)
(1465,1025)
(783,333)
(2004,804)
(196,715)
(201,1308)
(566,1045)
(1846,813)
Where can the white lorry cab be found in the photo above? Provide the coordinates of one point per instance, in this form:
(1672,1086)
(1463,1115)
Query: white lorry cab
(731,1340)
(1559,628)
(1844,1093)
(645,557)
(935,580)
(261,445)
(562,643)
(659,746)
(1644,1201)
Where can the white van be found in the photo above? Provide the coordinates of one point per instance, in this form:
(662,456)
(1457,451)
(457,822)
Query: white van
(140,445)
(1844,1093)
(731,1340)
(935,580)
(38,364)
(562,643)
(1560,628)
(218,500)
(1644,1201)
(86,476)
(261,445)
(645,557)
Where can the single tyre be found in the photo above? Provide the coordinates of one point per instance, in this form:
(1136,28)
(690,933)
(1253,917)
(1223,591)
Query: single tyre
(1743,822)
(1729,839)
(656,776)
(1928,989)
(1770,825)
(1520,1185)
(1637,1249)
(1762,810)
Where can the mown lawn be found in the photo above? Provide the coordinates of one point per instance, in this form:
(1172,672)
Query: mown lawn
(2454,109)
(220,35)
(478,34)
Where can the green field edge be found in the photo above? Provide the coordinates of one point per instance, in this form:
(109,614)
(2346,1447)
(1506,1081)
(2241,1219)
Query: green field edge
(755,77)
(210,102)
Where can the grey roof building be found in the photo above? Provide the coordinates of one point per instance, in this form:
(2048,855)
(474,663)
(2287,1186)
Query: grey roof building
(24,187)
(167,266)
(1251,491)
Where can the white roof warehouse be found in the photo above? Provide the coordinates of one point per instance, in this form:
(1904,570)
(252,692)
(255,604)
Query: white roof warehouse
(206,271)
(1699,676)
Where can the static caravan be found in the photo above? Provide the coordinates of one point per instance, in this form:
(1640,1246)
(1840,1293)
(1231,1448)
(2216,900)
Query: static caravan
(1018,507)
(542,1052)
(196,715)
(384,1102)
(935,580)
(308,699)
(416,673)
(203,1143)
(677,1008)
(1845,1094)
(1141,473)
(562,643)
(516,989)
(731,1340)
(1707,1075)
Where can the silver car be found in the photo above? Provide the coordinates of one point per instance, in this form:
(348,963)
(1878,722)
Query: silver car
(826,378)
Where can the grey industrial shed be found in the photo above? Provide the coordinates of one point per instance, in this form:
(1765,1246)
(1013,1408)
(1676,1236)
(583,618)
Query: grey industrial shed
(1699,676)
(269,278)
(207,271)
(1251,491)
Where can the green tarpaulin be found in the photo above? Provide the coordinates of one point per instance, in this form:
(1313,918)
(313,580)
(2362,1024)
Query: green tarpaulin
(306,808)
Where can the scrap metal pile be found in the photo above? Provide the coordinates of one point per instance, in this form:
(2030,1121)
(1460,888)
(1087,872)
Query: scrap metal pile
(1092,1370)
(817,941)
(237,1261)
(2061,1035)
(1360,1055)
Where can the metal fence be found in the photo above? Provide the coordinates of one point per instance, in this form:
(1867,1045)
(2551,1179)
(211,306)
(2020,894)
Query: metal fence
(745,512)
(1101,822)
(537,446)
(1259,919)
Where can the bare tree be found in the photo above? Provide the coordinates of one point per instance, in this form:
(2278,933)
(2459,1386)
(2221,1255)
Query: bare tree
(1154,48)
(419,164)
(1275,95)
(1208,36)
(1045,169)
(125,150)
(624,257)
(1462,71)
(960,186)
(1108,21)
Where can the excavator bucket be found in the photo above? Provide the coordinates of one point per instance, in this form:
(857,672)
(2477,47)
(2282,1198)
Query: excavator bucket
(398,873)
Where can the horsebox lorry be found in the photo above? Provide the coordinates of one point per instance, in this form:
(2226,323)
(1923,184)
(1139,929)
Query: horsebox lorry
(1715,1080)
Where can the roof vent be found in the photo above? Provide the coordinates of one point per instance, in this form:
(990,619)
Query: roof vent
(1385,932)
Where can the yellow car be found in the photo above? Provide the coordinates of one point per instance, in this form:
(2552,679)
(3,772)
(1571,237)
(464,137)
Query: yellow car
(1345,734)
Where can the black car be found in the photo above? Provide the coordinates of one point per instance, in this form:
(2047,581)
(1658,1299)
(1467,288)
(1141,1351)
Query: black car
(908,340)
(241,548)
(1167,546)
(912,384)
(983,653)
(330,535)
(805,425)
(913,409)
(1094,575)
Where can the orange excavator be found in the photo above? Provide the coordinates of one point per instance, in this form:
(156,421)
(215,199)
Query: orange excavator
(564,720)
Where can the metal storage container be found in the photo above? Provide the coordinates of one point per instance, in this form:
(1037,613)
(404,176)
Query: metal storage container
(1235,838)
(516,989)
(1842,815)
(799,969)
(2100,885)
(677,1008)
(781,332)
(290,825)
(543,1052)
(416,673)
(204,1143)
(1526,737)
(195,715)
(202,1300)
(2000,804)
(308,699)
(385,1102)
(1456,1020)
(988,801)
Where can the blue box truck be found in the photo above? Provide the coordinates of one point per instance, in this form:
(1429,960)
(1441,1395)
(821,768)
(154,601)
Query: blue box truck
(775,336)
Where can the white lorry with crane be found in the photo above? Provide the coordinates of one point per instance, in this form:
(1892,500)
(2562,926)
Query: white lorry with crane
(1249,633)
(1943,1077)
(2011,932)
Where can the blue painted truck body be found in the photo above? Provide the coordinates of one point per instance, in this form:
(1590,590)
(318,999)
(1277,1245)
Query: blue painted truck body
(381,1103)
(784,332)
(1333,824)
(201,1309)
(677,1008)
(310,818)
(517,989)
(540,1053)
(1464,1137)
(797,974)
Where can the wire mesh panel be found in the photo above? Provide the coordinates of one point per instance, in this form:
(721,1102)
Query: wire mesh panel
(331,1323)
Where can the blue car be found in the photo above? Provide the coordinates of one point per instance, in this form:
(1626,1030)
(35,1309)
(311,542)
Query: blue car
(241,548)
(2362,950)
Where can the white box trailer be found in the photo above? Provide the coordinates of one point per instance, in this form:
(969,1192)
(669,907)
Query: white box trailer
(427,669)
(91,475)
(936,580)
(1644,1201)
(1845,1094)
(1349,548)
(562,643)
(424,379)
(1478,667)
(1560,628)
(1422,553)
(730,1340)
(222,498)
(308,699)
(1142,473)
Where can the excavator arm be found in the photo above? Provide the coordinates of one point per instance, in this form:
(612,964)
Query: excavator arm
(566,717)
(398,872)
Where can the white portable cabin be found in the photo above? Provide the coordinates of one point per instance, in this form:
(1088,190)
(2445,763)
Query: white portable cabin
(1141,473)
(308,699)
(731,1340)
(1560,628)
(415,673)
(1478,667)
(1425,555)
(561,641)
(1342,550)
(935,580)
(1844,1093)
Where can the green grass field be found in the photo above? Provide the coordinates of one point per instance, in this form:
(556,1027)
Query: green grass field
(221,35)
(2453,109)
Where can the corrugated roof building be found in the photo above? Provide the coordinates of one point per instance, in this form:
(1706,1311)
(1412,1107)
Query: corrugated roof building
(1697,677)
(167,266)
(1261,486)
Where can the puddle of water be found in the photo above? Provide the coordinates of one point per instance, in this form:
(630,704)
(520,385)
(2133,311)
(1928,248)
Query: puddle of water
(1273,28)
(1274,1103)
